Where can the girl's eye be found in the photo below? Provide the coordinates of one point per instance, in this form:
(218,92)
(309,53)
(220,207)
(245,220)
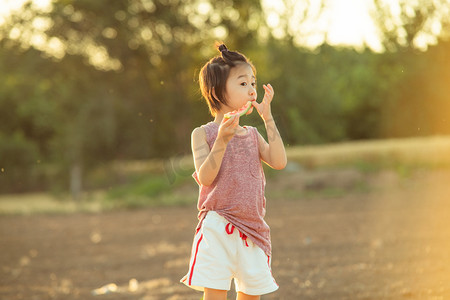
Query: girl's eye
(253,84)
(244,83)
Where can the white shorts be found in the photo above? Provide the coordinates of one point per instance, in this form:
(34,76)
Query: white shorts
(219,254)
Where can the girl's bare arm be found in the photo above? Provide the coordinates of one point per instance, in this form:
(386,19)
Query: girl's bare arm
(208,161)
(272,152)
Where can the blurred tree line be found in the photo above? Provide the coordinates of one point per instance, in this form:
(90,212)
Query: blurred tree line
(86,82)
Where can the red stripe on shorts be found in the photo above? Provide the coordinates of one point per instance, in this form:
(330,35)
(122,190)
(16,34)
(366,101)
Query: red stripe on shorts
(195,259)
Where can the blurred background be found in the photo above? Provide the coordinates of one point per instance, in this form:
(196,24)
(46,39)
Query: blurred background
(96,94)
(98,100)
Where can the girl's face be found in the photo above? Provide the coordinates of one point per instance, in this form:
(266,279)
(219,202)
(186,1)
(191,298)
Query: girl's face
(240,86)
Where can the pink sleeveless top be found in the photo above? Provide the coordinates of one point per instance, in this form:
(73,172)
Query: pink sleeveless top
(237,193)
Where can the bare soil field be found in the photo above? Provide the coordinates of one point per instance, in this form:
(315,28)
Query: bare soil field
(331,239)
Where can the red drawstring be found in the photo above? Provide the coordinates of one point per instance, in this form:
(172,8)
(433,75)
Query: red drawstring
(230,229)
(244,238)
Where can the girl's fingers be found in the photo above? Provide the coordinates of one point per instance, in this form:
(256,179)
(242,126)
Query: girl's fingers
(229,122)
(233,125)
(268,88)
(236,121)
(267,93)
(226,121)
(257,106)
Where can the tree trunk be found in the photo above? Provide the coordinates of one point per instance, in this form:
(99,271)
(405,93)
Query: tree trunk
(76,181)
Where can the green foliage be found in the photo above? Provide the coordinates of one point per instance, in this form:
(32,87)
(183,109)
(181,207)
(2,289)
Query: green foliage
(125,85)
(18,158)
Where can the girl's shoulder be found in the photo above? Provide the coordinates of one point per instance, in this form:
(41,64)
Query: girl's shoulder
(198,132)
(207,132)
(202,129)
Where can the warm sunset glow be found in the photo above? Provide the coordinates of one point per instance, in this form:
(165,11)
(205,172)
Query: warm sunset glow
(311,23)
(346,22)
(351,24)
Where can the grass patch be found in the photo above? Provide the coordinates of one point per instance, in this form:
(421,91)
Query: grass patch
(292,194)
(147,186)
(373,155)
(325,190)
(137,192)
(152,190)
(46,203)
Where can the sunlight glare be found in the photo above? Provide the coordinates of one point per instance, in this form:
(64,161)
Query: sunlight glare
(56,47)
(338,22)
(220,32)
(42,24)
(6,6)
(343,22)
(351,24)
(204,8)
(273,20)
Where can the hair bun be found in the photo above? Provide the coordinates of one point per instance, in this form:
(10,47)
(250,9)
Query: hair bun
(223,48)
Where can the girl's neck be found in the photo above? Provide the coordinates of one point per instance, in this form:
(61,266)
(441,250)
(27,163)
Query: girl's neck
(218,118)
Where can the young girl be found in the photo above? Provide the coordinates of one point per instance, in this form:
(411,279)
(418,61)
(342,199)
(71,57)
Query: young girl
(232,238)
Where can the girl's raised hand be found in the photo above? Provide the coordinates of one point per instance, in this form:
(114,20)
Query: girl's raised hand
(228,128)
(263,108)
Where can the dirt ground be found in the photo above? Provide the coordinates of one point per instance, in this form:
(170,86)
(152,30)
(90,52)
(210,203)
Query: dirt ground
(385,238)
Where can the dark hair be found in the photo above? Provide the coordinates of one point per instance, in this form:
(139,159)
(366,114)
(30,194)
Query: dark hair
(214,74)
